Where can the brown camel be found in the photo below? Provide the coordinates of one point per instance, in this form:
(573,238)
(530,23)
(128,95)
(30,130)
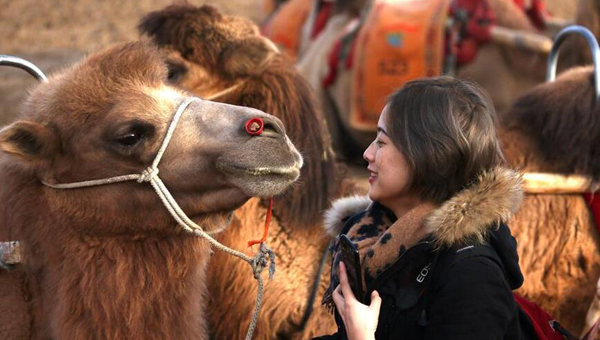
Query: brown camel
(109,262)
(555,128)
(224,58)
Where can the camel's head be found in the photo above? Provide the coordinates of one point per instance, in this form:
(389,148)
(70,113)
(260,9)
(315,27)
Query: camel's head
(108,115)
(225,58)
(556,126)
(207,52)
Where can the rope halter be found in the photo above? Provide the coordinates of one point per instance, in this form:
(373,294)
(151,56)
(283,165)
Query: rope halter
(265,256)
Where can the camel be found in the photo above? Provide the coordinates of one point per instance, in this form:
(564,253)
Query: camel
(224,58)
(554,128)
(178,31)
(514,71)
(109,262)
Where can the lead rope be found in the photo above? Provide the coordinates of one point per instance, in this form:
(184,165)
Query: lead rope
(263,258)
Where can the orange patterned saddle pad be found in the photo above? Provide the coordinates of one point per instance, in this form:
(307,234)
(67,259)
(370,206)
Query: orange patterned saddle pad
(400,40)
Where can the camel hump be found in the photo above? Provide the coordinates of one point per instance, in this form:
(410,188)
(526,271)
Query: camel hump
(562,119)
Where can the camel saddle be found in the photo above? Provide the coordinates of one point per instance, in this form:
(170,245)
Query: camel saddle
(399,41)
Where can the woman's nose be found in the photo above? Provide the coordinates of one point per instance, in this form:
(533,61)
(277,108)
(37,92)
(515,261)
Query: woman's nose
(367,155)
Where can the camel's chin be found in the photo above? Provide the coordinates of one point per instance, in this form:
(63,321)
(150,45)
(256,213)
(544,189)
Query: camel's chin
(260,181)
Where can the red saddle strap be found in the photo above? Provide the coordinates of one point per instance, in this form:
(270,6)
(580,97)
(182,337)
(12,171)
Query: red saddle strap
(593,201)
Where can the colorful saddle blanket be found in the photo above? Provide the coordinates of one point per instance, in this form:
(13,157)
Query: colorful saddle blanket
(399,41)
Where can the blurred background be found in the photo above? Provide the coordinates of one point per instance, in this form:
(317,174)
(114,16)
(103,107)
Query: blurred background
(53,34)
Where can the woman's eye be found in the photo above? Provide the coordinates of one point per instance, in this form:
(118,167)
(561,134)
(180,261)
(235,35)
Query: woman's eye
(379,143)
(129,139)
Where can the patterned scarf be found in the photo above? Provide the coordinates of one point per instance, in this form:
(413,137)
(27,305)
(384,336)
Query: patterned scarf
(380,241)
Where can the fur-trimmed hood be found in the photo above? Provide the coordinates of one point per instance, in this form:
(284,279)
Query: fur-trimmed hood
(466,217)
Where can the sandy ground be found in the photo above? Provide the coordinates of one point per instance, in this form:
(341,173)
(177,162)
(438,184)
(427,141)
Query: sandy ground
(42,25)
(55,33)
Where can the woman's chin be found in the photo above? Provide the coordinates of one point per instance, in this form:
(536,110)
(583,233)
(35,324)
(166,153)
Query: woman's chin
(372,194)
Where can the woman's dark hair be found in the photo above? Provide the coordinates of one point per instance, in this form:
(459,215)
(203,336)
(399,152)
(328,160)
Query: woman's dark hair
(446,129)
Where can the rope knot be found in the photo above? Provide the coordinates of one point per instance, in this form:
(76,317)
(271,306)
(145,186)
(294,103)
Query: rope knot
(148,175)
(265,257)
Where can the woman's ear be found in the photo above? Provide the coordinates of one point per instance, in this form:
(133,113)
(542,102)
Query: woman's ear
(29,141)
(247,57)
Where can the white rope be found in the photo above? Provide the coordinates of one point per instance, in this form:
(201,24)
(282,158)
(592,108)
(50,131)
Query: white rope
(226,91)
(265,256)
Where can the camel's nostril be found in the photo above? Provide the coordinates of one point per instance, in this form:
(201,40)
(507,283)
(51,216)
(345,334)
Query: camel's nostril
(270,130)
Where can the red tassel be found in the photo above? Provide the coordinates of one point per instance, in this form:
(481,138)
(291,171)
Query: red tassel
(267,223)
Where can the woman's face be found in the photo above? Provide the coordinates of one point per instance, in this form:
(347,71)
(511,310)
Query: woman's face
(389,171)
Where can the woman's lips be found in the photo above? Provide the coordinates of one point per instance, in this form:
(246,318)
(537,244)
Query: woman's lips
(372,177)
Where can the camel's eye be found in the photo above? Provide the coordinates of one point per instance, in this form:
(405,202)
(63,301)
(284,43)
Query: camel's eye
(176,72)
(130,139)
(131,134)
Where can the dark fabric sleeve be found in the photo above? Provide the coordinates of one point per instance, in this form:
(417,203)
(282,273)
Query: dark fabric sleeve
(472,300)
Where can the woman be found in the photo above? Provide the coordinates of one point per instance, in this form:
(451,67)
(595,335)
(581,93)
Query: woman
(436,257)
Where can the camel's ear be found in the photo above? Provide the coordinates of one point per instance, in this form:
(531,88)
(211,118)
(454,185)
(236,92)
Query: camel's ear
(29,140)
(247,57)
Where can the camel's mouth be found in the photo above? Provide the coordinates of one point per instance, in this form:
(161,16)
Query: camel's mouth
(283,173)
(289,172)
(260,181)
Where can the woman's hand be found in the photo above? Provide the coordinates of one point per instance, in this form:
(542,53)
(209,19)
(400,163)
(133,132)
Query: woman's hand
(360,320)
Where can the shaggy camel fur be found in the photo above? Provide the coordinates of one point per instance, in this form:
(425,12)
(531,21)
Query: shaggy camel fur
(555,128)
(109,262)
(513,72)
(215,55)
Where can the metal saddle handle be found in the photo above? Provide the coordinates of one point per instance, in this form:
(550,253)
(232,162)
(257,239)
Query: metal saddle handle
(558,41)
(8,60)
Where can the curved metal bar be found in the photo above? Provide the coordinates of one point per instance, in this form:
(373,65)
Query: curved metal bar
(23,64)
(592,43)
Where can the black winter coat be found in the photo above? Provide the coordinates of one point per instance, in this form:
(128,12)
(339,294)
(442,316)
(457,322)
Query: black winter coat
(464,290)
(464,294)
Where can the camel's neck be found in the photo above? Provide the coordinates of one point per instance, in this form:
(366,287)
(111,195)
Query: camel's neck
(124,288)
(103,287)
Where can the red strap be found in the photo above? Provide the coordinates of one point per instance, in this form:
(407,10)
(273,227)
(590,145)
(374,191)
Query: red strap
(536,12)
(479,19)
(593,201)
(325,11)
(267,223)
(333,60)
